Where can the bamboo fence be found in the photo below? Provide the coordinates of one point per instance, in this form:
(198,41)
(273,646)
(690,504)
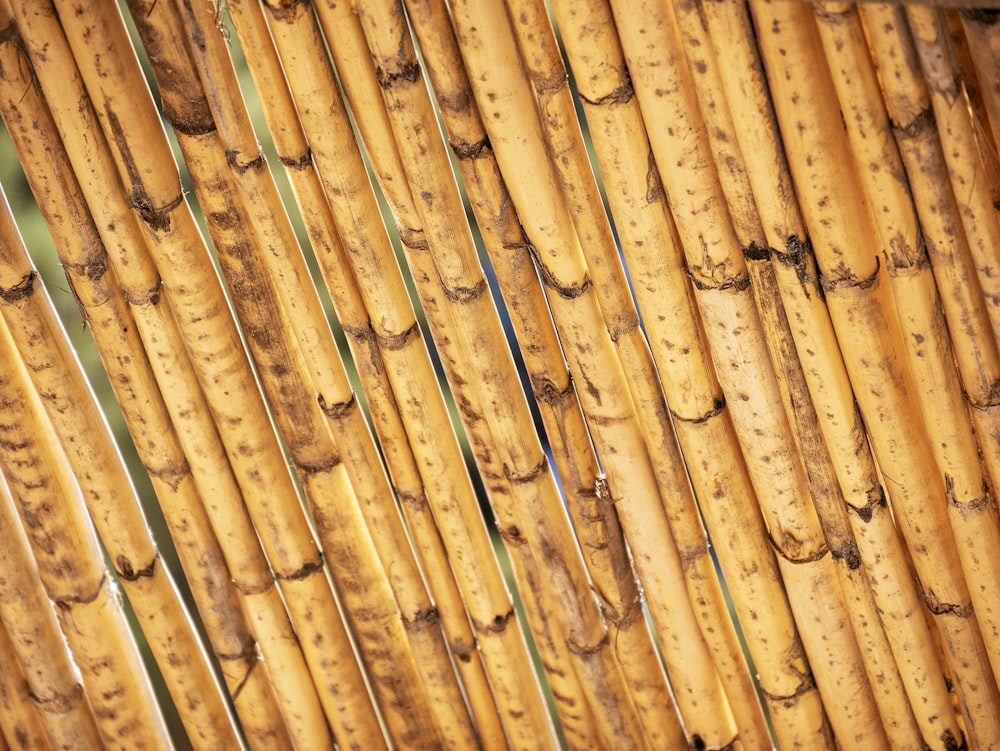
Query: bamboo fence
(481,374)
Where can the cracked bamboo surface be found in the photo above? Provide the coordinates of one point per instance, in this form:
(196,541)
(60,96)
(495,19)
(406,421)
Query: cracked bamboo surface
(669,358)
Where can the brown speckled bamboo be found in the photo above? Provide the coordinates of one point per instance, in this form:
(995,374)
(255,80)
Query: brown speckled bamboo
(20,725)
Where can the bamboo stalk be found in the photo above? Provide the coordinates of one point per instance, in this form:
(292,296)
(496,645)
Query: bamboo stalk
(71,567)
(402,353)
(495,72)
(20,725)
(859,303)
(971,506)
(878,542)
(30,623)
(595,522)
(293,152)
(86,261)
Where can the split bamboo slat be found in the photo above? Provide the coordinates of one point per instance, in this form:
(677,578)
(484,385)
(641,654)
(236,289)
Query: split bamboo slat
(614,374)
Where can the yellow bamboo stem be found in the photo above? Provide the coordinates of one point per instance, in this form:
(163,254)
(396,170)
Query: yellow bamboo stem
(31,625)
(971,506)
(20,725)
(595,522)
(71,566)
(864,316)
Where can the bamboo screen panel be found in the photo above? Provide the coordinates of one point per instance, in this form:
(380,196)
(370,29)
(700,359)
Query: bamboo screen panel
(595,376)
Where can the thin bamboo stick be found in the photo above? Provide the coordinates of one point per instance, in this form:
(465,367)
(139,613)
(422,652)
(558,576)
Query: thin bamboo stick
(798,279)
(53,683)
(71,565)
(402,352)
(595,522)
(863,314)
(20,725)
(33,132)
(293,153)
(971,507)
(495,71)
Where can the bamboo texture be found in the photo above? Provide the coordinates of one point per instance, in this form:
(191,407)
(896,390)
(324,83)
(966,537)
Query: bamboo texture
(612,374)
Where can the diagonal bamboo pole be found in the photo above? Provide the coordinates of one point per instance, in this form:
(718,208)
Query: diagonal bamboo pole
(27,616)
(860,304)
(402,352)
(294,153)
(85,259)
(596,523)
(20,725)
(71,565)
(495,72)
(971,506)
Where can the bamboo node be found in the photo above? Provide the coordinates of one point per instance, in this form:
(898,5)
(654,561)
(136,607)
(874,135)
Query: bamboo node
(460,294)
(66,602)
(152,297)
(698,744)
(471,151)
(703,281)
(128,573)
(408,73)
(417,500)
(588,650)
(530,476)
(902,260)
(285,10)
(565,291)
(235,694)
(945,608)
(547,392)
(303,572)
(806,684)
(422,620)
(58,703)
(951,743)
(796,557)
(620,95)
(876,499)
(757,252)
(300,162)
(992,398)
(496,626)
(20,291)
(512,535)
(338,410)
(964,507)
(412,238)
(623,329)
(848,279)
(233,160)
(718,405)
(922,124)
(171,474)
(395,342)
(463,651)
(849,553)
(796,256)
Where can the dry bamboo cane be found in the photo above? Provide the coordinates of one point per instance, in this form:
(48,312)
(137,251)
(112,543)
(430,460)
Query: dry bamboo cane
(535,503)
(571,704)
(875,533)
(167,227)
(27,616)
(353,440)
(71,566)
(736,336)
(979,25)
(863,314)
(294,154)
(971,189)
(883,675)
(548,76)
(495,71)
(106,314)
(402,352)
(596,524)
(86,262)
(971,505)
(20,726)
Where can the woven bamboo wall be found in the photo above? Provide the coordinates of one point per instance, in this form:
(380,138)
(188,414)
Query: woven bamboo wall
(715,292)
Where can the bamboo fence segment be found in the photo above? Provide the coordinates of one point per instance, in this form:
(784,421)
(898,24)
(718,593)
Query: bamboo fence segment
(827,499)
(402,352)
(971,506)
(860,304)
(294,154)
(496,74)
(736,336)
(70,565)
(20,725)
(874,531)
(27,615)
(86,261)
(964,159)
(595,522)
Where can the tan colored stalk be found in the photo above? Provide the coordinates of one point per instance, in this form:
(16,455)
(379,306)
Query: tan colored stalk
(970,183)
(863,314)
(979,25)
(595,521)
(971,506)
(736,336)
(293,152)
(882,555)
(883,675)
(85,260)
(71,565)
(20,726)
(547,73)
(404,356)
(497,75)
(167,225)
(534,503)
(27,615)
